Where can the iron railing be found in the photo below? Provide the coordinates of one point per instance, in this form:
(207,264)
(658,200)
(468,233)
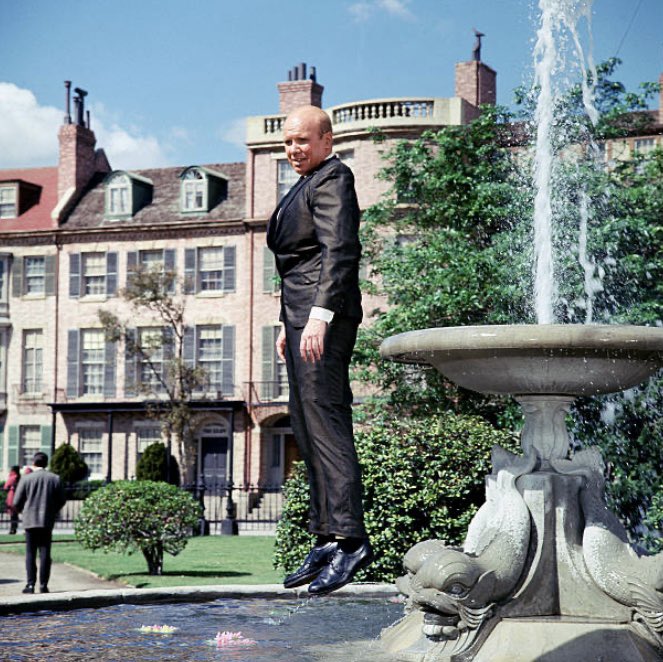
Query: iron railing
(249,509)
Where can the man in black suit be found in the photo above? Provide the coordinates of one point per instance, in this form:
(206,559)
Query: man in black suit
(39,496)
(314,235)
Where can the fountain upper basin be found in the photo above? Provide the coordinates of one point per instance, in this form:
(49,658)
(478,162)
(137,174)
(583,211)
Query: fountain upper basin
(564,359)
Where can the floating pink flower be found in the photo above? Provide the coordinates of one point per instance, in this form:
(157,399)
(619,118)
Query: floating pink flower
(227,639)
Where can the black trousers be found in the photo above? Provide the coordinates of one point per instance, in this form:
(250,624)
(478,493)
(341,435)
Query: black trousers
(321,419)
(38,541)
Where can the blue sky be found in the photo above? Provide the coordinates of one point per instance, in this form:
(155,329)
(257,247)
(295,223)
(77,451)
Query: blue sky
(171,82)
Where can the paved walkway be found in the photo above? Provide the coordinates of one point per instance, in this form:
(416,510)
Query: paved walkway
(63,577)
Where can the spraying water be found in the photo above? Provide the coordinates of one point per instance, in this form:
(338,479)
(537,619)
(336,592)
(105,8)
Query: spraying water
(557,16)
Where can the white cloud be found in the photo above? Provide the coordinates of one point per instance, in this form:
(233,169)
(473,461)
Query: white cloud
(28,131)
(396,7)
(362,11)
(234,133)
(28,135)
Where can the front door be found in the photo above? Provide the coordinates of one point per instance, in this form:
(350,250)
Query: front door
(214,461)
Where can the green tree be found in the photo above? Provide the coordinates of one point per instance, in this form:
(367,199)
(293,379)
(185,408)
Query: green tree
(154,464)
(451,245)
(147,516)
(423,478)
(68,464)
(163,373)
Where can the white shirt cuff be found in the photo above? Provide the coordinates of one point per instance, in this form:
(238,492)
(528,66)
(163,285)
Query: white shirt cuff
(323,314)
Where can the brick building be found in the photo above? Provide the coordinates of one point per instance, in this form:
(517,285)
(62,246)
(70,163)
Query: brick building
(71,235)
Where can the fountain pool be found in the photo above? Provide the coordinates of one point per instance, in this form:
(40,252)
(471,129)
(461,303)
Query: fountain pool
(308,630)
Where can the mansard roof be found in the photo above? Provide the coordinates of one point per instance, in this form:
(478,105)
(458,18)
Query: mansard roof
(43,183)
(165,207)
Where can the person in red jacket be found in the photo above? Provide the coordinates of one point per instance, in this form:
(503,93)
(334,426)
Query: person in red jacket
(10,487)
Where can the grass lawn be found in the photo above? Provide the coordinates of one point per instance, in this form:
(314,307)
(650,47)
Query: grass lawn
(205,560)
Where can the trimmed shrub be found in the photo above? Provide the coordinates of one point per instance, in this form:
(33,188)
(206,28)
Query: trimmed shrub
(143,515)
(153,465)
(68,464)
(423,478)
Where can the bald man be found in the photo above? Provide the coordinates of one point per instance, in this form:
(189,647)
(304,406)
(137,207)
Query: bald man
(314,235)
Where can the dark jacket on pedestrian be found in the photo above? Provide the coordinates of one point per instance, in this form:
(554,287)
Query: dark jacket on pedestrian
(39,496)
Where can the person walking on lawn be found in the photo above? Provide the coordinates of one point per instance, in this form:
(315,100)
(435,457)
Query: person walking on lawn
(39,496)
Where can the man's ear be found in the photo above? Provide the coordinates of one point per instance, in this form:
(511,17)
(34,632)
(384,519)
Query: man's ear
(328,139)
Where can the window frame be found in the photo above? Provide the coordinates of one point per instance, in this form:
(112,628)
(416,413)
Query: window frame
(286,178)
(92,369)
(195,183)
(119,182)
(11,189)
(26,455)
(95,457)
(32,364)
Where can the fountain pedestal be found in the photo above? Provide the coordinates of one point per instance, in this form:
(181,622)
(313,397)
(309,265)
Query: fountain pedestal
(546,571)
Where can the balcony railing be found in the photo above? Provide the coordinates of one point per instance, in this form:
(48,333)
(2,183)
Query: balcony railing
(374,113)
(373,110)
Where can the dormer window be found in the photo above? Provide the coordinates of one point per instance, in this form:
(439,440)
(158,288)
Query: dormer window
(202,189)
(194,191)
(118,195)
(126,194)
(8,201)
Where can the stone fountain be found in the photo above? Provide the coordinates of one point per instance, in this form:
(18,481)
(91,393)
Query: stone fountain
(546,571)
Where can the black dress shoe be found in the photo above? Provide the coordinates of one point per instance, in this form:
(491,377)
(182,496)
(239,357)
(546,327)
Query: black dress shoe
(29,588)
(43,589)
(343,567)
(315,561)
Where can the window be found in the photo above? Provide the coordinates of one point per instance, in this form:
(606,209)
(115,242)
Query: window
(90,363)
(33,348)
(202,189)
(210,266)
(152,260)
(3,368)
(92,274)
(33,275)
(91,450)
(270,278)
(152,360)
(212,347)
(644,145)
(274,373)
(4,285)
(30,443)
(146,436)
(194,191)
(286,177)
(157,260)
(8,206)
(210,355)
(118,192)
(209,269)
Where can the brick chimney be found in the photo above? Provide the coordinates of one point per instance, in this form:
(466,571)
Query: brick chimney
(78,159)
(299,90)
(476,82)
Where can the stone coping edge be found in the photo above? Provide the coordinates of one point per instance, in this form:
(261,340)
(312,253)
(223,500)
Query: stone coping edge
(109,597)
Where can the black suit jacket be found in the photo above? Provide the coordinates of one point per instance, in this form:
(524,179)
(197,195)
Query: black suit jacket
(314,234)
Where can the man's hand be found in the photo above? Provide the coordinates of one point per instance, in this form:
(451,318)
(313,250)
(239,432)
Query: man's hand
(312,344)
(280,344)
